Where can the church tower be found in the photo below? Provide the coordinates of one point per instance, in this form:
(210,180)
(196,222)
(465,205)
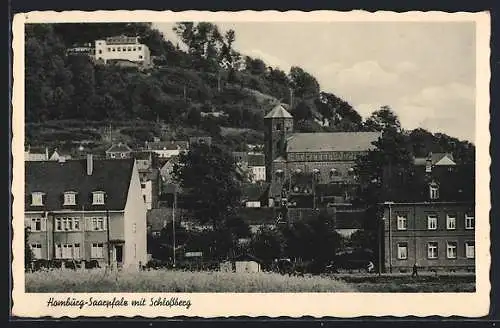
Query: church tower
(278,127)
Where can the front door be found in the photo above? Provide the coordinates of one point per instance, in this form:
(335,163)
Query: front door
(119,254)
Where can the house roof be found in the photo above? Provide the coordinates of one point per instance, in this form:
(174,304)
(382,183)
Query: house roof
(332,141)
(142,155)
(254,191)
(456,183)
(349,219)
(436,159)
(53,178)
(256,160)
(119,148)
(168,145)
(278,112)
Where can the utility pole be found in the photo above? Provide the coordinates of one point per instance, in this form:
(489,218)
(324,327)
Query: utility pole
(291,98)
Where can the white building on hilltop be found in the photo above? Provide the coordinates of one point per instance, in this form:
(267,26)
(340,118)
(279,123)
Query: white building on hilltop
(122,48)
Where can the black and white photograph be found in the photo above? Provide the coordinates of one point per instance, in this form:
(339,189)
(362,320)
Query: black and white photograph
(318,156)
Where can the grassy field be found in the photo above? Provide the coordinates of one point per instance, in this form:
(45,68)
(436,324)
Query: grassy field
(176,281)
(100,280)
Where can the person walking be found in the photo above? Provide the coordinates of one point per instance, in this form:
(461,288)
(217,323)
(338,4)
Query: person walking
(415,270)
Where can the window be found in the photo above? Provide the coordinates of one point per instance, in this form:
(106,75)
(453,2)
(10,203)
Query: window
(114,49)
(69,198)
(432,222)
(402,222)
(144,198)
(67,251)
(469,221)
(36,224)
(100,51)
(451,222)
(37,199)
(402,251)
(119,49)
(98,198)
(98,224)
(134,227)
(113,155)
(67,224)
(143,185)
(451,250)
(140,56)
(433,191)
(134,48)
(97,251)
(139,48)
(36,249)
(470,249)
(109,48)
(432,250)
(278,127)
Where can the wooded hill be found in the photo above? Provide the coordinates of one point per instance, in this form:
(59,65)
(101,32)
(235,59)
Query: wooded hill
(71,98)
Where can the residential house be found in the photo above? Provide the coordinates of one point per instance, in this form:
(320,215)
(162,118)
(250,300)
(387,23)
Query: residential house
(36,154)
(122,48)
(86,210)
(119,150)
(257,166)
(255,195)
(58,155)
(429,219)
(166,171)
(167,149)
(435,159)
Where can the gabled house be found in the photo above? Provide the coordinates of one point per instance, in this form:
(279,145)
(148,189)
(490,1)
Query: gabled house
(167,149)
(150,178)
(119,150)
(435,159)
(86,210)
(58,155)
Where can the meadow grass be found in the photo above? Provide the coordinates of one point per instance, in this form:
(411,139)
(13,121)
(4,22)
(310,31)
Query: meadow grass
(100,280)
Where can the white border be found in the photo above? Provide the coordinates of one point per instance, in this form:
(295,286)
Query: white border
(272,304)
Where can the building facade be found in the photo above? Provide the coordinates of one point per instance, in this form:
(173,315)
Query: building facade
(122,48)
(86,210)
(119,150)
(167,149)
(430,221)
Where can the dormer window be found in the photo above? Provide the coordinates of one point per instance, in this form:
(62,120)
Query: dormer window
(98,198)
(70,198)
(37,199)
(428,166)
(433,191)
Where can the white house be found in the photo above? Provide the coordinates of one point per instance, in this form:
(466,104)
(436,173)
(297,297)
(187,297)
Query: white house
(122,48)
(167,149)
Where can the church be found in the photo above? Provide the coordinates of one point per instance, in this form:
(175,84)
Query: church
(317,168)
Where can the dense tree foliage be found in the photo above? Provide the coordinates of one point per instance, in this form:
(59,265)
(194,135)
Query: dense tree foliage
(209,176)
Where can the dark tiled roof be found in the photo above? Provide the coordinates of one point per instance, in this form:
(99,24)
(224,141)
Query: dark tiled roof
(456,183)
(349,219)
(256,160)
(54,178)
(119,148)
(332,141)
(255,191)
(262,215)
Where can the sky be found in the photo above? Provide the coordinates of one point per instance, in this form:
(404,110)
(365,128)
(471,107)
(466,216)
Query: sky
(425,71)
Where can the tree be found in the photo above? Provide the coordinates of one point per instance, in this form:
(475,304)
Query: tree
(302,112)
(304,84)
(194,116)
(210,178)
(383,119)
(267,244)
(380,169)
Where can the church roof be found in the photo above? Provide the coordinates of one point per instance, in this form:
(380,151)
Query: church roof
(278,112)
(332,141)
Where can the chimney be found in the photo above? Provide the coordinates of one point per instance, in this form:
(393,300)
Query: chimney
(90,164)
